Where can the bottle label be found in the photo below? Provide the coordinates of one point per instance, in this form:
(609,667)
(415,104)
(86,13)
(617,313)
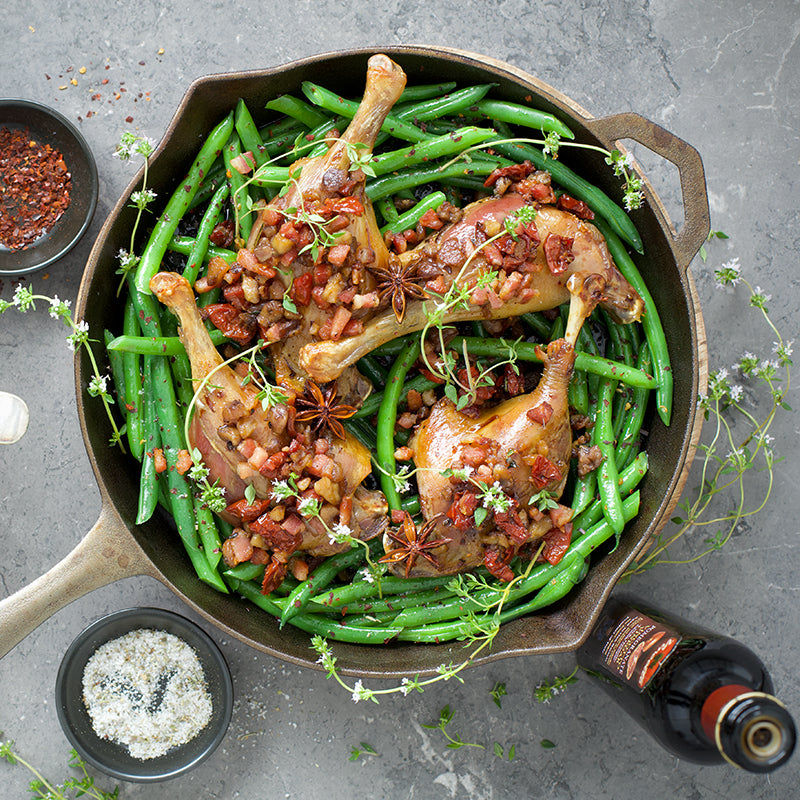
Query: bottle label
(637,648)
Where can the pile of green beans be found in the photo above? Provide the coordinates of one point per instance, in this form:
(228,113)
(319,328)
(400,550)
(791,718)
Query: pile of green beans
(413,161)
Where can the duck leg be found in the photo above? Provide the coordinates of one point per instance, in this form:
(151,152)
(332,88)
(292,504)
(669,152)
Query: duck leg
(512,451)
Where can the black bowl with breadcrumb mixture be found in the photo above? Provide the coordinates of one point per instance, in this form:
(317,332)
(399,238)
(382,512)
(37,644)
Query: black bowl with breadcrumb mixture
(48,186)
(144,694)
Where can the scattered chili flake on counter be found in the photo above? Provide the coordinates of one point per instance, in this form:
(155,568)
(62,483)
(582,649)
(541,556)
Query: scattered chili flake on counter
(35,186)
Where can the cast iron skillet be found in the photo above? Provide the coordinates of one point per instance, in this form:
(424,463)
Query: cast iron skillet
(116,547)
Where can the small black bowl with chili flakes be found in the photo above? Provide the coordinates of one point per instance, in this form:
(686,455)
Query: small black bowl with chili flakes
(48,186)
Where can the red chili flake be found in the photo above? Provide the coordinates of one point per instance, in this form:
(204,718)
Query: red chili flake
(35,187)
(128,119)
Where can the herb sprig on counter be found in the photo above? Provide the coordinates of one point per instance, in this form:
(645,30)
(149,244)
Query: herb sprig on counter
(72,787)
(25,300)
(727,459)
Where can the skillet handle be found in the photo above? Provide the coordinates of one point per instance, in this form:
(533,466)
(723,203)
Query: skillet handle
(106,554)
(696,224)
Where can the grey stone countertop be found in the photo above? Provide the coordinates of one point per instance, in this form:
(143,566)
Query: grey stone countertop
(724,76)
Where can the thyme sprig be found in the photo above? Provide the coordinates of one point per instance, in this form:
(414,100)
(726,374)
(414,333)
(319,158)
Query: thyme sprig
(72,787)
(25,300)
(726,460)
(131,145)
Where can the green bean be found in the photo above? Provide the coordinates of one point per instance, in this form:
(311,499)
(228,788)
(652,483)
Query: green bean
(387,417)
(387,209)
(209,534)
(323,135)
(148,479)
(157,346)
(559,586)
(131,366)
(651,322)
(321,577)
(249,134)
(271,175)
(429,150)
(515,114)
(628,441)
(394,346)
(411,504)
(586,486)
(410,218)
(407,179)
(577,186)
(278,137)
(330,629)
(371,369)
(371,405)
(183,245)
(526,351)
(424,91)
(539,324)
(246,571)
(607,475)
(540,575)
(240,196)
(338,105)
(177,204)
(210,183)
(294,107)
(448,104)
(362,431)
(197,254)
(117,373)
(348,594)
(629,479)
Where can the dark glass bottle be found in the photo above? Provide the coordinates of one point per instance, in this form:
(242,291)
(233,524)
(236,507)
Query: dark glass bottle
(705,697)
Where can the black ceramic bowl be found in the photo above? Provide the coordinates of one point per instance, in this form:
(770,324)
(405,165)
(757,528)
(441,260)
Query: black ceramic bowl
(112,758)
(49,127)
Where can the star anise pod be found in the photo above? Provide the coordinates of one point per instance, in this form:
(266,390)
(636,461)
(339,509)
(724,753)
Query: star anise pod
(413,543)
(398,282)
(320,407)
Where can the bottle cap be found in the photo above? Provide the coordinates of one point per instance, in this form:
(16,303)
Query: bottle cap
(754,731)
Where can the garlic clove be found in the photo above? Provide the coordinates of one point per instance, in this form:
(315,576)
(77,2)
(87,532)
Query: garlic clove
(13,418)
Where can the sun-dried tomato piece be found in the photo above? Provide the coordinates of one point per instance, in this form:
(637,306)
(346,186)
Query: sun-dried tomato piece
(236,325)
(556,543)
(516,172)
(544,472)
(247,512)
(301,288)
(462,510)
(274,574)
(541,413)
(276,535)
(497,563)
(576,207)
(558,252)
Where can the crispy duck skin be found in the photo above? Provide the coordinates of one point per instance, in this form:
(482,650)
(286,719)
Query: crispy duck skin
(319,179)
(225,407)
(446,253)
(520,431)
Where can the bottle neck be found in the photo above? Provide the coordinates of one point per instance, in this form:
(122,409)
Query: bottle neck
(750,729)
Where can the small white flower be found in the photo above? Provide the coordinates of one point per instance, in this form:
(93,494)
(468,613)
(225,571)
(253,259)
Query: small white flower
(736,392)
(358,691)
(339,533)
(281,490)
(308,506)
(763,295)
(405,686)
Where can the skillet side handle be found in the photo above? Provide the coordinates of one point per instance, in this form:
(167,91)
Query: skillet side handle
(106,554)
(696,224)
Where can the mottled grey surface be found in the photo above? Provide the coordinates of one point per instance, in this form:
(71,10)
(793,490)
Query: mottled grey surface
(725,76)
